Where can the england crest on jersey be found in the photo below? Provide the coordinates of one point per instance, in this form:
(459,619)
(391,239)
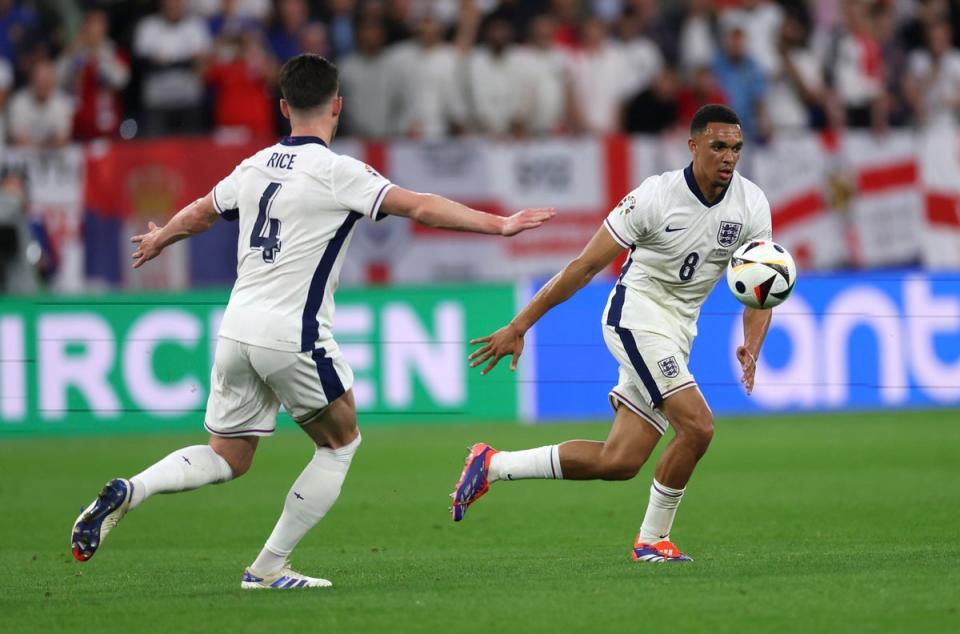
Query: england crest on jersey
(669,367)
(729,233)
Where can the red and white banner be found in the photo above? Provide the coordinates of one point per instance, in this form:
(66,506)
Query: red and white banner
(855,199)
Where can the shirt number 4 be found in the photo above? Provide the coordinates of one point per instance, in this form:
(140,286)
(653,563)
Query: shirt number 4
(266,230)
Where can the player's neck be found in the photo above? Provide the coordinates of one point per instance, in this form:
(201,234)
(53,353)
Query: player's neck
(314,127)
(709,190)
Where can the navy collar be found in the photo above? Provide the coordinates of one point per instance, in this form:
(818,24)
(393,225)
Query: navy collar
(692,184)
(301,140)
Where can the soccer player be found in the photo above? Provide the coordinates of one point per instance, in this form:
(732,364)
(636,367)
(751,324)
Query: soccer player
(681,228)
(297,202)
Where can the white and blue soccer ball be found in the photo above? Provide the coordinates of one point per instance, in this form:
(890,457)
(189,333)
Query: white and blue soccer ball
(761,274)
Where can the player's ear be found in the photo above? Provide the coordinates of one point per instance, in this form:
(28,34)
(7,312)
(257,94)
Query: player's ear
(692,145)
(285,108)
(337,106)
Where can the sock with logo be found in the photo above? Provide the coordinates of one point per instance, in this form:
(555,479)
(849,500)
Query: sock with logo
(661,509)
(309,499)
(540,463)
(183,470)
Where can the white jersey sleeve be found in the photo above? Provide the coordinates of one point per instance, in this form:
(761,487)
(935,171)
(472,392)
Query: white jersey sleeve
(359,187)
(226,195)
(761,223)
(633,217)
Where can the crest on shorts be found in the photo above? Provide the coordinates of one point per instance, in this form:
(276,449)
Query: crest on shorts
(627,205)
(729,233)
(669,367)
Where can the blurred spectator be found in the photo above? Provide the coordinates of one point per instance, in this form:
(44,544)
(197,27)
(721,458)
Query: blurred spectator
(913,31)
(41,116)
(857,65)
(314,39)
(6,85)
(171,45)
(566,14)
(894,58)
(697,40)
(701,90)
(740,77)
(16,23)
(655,109)
(797,87)
(548,65)
(366,83)
(652,25)
(340,26)
(258,10)
(94,72)
(642,54)
(600,79)
(229,19)
(760,20)
(21,257)
(932,83)
(241,76)
(286,35)
(429,96)
(499,92)
(519,13)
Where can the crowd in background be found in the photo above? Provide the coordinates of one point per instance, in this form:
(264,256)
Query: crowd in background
(78,70)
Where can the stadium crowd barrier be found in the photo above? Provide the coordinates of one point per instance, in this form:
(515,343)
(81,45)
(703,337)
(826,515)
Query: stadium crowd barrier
(142,362)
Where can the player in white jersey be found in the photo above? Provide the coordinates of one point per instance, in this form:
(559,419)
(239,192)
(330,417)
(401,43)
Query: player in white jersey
(297,202)
(681,228)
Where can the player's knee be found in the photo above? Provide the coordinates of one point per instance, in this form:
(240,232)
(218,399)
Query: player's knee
(620,467)
(698,432)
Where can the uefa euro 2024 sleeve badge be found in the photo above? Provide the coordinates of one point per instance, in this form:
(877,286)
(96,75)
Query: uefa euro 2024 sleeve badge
(627,205)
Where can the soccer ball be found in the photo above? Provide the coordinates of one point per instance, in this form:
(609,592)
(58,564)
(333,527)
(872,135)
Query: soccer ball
(761,274)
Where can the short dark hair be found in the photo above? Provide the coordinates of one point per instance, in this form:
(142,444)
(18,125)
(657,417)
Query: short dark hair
(308,81)
(712,113)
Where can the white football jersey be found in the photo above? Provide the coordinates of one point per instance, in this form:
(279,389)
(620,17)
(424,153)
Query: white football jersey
(679,247)
(297,203)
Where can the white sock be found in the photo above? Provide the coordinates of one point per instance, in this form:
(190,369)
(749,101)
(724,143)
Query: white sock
(183,470)
(541,463)
(661,509)
(309,499)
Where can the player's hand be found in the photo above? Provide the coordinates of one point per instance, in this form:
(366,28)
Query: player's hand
(506,341)
(526,219)
(148,245)
(749,366)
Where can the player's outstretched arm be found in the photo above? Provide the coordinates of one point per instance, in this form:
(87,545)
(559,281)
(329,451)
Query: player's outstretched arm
(440,212)
(599,253)
(756,322)
(195,218)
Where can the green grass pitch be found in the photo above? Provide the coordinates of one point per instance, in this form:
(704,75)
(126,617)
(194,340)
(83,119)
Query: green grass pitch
(844,523)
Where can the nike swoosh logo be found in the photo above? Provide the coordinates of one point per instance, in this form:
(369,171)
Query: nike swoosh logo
(669,228)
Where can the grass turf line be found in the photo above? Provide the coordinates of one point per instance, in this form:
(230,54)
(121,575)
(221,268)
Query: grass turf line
(845,523)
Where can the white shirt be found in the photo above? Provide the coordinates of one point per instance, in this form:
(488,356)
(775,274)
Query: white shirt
(429,87)
(297,203)
(679,247)
(939,85)
(856,85)
(40,122)
(785,105)
(645,62)
(600,79)
(366,89)
(546,74)
(173,46)
(498,89)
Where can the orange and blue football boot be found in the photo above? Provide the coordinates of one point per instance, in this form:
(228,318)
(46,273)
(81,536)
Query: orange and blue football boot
(473,479)
(662,551)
